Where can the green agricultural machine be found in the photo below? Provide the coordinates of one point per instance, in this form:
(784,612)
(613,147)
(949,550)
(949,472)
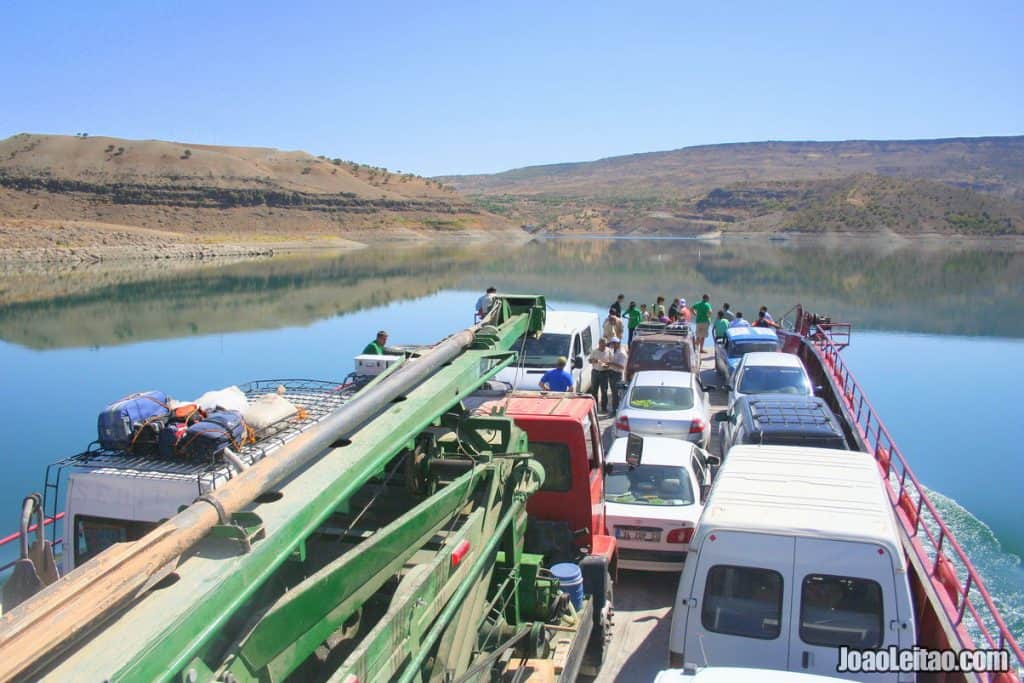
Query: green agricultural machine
(385,544)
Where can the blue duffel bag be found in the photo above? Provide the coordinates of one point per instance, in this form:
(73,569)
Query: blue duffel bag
(207,439)
(121,422)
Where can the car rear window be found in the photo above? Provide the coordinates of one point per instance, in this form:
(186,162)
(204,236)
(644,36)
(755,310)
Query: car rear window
(659,356)
(661,398)
(557,465)
(769,380)
(743,601)
(737,349)
(648,485)
(841,610)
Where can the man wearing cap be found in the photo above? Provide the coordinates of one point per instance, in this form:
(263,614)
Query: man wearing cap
(376,347)
(557,378)
(616,368)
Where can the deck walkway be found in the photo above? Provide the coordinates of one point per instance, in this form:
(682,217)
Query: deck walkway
(643,600)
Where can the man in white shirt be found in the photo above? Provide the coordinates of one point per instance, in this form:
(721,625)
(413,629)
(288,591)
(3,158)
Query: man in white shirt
(616,370)
(484,303)
(738,321)
(599,359)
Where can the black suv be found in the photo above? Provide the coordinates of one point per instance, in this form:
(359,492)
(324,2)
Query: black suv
(780,421)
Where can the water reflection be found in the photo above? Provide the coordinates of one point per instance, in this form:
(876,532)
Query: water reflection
(967,290)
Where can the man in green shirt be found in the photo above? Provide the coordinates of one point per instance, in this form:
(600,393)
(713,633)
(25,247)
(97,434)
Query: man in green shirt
(633,318)
(376,347)
(702,311)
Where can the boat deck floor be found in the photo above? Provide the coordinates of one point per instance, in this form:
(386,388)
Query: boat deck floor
(643,600)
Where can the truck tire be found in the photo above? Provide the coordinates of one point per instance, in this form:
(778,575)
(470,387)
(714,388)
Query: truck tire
(597,582)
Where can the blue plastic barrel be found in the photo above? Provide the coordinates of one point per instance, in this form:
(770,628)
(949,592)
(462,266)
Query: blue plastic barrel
(570,580)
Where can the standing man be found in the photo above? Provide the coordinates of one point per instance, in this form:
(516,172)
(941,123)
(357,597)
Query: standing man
(376,347)
(557,378)
(616,370)
(721,325)
(484,303)
(702,310)
(612,325)
(599,359)
(617,304)
(633,318)
(728,312)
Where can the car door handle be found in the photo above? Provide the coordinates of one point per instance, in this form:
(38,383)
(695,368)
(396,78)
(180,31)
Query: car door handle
(805,659)
(692,602)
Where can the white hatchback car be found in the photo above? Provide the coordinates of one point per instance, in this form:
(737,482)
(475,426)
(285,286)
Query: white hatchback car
(769,372)
(654,490)
(665,403)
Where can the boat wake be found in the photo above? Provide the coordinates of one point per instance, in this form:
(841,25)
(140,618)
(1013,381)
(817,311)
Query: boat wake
(1001,570)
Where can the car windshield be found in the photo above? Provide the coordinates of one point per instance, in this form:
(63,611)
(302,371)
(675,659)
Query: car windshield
(768,380)
(543,351)
(661,398)
(648,485)
(738,348)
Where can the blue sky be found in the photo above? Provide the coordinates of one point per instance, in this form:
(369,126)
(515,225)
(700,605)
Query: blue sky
(446,87)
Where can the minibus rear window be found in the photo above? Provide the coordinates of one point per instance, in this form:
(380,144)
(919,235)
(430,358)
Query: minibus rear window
(840,610)
(743,601)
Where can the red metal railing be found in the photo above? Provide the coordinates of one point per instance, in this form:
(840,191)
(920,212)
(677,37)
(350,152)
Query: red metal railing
(934,543)
(16,535)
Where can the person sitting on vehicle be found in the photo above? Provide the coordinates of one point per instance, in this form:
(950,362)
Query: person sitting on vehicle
(612,325)
(685,314)
(764,321)
(616,368)
(767,315)
(485,302)
(673,310)
(721,325)
(729,315)
(557,378)
(644,313)
(738,321)
(376,347)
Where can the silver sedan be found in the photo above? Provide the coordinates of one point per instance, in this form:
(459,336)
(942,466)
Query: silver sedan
(665,403)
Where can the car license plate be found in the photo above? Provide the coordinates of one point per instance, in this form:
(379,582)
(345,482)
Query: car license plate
(638,534)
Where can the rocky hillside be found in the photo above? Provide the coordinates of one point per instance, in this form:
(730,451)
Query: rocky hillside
(966,185)
(54,188)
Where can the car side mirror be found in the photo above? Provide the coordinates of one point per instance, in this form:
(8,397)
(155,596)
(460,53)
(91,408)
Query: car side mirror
(623,386)
(818,388)
(704,491)
(577,363)
(721,416)
(713,460)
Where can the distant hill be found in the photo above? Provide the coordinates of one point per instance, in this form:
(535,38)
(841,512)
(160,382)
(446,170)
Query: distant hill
(51,184)
(963,185)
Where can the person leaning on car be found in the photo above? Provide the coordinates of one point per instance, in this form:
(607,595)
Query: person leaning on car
(616,368)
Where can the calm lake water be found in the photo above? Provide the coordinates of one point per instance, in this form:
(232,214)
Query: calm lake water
(938,341)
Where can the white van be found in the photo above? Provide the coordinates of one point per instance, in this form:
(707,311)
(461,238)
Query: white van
(572,334)
(795,555)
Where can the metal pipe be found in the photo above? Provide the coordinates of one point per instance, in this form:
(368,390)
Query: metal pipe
(56,617)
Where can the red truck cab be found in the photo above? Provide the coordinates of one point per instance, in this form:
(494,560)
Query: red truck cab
(565,437)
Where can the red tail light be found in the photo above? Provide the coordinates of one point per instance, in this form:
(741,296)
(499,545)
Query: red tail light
(622,424)
(697,426)
(680,535)
(676,660)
